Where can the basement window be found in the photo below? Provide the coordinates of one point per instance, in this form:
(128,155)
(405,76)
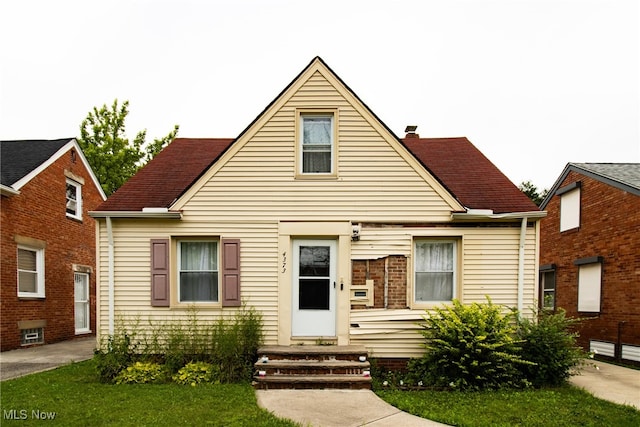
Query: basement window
(31,336)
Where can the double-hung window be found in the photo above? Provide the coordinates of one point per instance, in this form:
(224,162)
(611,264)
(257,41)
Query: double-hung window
(198,271)
(548,287)
(435,270)
(74,199)
(317,145)
(30,272)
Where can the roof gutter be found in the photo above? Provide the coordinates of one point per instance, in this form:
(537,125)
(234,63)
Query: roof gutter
(144,214)
(476,215)
(8,191)
(487,214)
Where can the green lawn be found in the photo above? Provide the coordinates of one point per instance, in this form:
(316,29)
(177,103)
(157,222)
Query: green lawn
(563,406)
(76,398)
(73,395)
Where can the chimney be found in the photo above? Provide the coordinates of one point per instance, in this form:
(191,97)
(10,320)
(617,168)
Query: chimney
(410,131)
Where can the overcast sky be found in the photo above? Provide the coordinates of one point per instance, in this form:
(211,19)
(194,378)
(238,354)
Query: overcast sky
(533,84)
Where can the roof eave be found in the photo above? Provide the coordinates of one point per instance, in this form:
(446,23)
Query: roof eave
(472,215)
(8,191)
(137,214)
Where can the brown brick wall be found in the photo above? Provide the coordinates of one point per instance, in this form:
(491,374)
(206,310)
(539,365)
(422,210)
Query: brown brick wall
(610,228)
(38,212)
(396,276)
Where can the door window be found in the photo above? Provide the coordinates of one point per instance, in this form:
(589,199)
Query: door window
(314,278)
(81,284)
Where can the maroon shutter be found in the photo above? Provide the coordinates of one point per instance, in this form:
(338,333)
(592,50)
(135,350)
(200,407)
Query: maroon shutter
(160,272)
(231,272)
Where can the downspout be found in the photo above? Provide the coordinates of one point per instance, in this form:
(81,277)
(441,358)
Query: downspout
(523,236)
(386,282)
(111,276)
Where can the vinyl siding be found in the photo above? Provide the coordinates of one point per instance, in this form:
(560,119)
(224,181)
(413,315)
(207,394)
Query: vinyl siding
(374,183)
(259,259)
(489,266)
(254,186)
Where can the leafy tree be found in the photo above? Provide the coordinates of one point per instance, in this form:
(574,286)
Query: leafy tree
(114,158)
(532,192)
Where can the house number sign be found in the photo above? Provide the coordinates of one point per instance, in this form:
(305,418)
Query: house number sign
(284,261)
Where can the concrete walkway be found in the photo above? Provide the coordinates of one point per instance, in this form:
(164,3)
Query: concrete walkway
(610,382)
(324,407)
(344,408)
(23,361)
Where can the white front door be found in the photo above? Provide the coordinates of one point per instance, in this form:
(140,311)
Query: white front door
(314,288)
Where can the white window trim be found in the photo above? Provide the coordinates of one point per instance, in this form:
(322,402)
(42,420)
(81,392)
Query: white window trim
(301,114)
(544,290)
(40,292)
(78,188)
(456,248)
(179,242)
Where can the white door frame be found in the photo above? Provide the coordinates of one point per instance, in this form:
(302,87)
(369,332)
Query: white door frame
(318,319)
(82,302)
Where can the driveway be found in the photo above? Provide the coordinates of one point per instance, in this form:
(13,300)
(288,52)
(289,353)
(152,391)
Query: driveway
(23,361)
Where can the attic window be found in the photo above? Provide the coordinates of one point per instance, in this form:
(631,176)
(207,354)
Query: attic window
(569,206)
(74,199)
(317,144)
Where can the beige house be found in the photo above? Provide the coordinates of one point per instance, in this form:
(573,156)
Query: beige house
(322,219)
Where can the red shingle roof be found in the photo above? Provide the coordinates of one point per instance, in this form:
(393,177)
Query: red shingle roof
(463,170)
(469,175)
(168,175)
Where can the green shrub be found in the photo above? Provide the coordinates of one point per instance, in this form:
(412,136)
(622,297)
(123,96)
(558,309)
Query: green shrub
(116,353)
(231,344)
(470,347)
(551,345)
(195,373)
(235,345)
(141,373)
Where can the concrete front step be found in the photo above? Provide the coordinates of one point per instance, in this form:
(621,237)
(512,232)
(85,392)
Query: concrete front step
(353,382)
(312,367)
(315,352)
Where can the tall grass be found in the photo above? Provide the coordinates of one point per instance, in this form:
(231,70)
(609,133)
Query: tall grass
(230,344)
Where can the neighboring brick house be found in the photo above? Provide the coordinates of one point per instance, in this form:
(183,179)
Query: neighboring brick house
(48,242)
(590,254)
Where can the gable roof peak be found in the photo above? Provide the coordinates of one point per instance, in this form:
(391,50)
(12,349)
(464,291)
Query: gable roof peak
(624,176)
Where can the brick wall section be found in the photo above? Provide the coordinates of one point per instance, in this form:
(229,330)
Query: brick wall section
(609,227)
(38,212)
(396,276)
